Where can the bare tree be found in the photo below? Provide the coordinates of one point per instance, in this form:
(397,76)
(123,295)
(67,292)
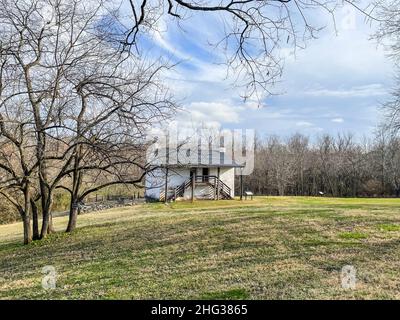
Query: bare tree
(16,158)
(253,31)
(70,104)
(387,13)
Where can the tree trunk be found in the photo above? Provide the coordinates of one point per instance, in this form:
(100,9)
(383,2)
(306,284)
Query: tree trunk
(45,190)
(73,217)
(35,221)
(45,210)
(25,214)
(26,221)
(73,210)
(47,223)
(76,184)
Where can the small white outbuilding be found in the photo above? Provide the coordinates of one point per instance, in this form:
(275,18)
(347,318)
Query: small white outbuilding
(186,174)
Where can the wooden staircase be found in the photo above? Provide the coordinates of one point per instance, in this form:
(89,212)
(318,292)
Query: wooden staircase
(216,189)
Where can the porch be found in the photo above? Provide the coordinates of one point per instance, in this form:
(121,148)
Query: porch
(205,187)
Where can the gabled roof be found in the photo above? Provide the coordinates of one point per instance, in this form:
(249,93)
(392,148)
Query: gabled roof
(184,157)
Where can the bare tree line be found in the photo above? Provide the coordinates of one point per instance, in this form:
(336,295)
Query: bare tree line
(337,166)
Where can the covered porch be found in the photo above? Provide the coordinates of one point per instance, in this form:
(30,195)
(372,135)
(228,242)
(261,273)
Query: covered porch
(198,182)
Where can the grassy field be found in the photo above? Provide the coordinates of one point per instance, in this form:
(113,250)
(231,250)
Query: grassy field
(268,248)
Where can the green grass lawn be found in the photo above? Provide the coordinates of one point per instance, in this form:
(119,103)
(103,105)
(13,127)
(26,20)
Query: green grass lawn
(268,248)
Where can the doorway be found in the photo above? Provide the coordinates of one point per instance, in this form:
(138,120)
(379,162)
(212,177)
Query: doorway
(205,174)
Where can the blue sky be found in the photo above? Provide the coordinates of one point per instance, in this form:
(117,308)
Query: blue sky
(336,84)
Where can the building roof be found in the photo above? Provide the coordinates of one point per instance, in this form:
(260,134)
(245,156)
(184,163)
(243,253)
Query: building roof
(183,157)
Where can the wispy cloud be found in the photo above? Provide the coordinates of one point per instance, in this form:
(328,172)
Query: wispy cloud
(336,78)
(305,124)
(370,90)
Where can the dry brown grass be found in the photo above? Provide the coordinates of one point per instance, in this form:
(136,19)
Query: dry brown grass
(268,248)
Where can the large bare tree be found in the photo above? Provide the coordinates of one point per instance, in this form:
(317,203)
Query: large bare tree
(70,104)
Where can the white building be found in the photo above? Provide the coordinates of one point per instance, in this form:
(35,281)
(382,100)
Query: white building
(184,174)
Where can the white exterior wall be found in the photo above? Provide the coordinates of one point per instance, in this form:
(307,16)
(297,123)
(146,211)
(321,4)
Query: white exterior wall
(227,176)
(155,181)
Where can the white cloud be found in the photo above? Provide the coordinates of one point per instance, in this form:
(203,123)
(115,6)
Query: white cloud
(339,63)
(333,79)
(371,90)
(207,112)
(304,124)
(338,120)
